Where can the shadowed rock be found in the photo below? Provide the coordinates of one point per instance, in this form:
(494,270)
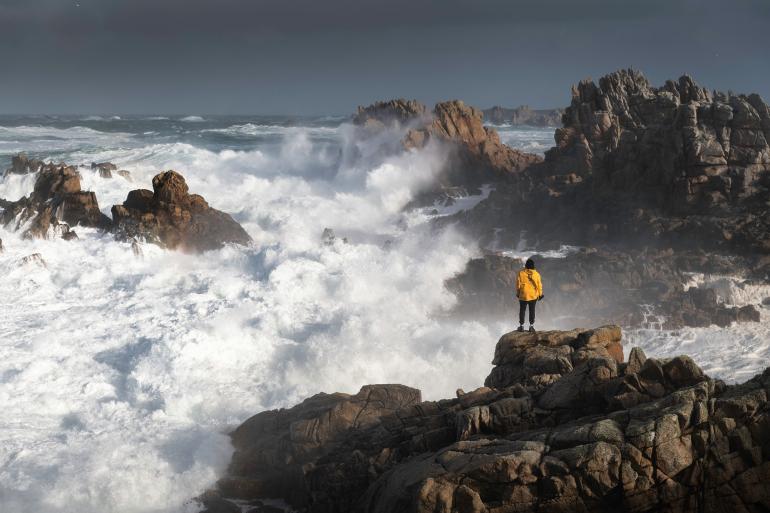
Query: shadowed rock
(171,217)
(600,285)
(563,425)
(676,165)
(21,164)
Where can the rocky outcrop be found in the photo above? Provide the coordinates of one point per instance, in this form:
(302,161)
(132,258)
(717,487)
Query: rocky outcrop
(56,204)
(104,169)
(675,165)
(481,157)
(387,113)
(524,115)
(476,155)
(646,288)
(171,217)
(21,164)
(564,424)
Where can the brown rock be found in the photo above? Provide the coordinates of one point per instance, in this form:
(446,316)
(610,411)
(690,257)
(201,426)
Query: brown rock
(173,218)
(700,447)
(22,164)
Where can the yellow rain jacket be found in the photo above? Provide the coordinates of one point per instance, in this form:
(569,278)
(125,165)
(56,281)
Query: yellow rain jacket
(528,285)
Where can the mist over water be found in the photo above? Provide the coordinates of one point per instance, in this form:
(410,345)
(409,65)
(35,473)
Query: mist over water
(120,375)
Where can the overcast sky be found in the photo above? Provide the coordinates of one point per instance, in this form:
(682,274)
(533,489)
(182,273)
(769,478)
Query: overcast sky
(327,56)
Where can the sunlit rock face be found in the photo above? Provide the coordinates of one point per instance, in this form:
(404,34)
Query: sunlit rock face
(476,154)
(563,424)
(56,203)
(172,217)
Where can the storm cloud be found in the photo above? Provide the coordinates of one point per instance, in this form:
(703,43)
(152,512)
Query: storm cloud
(312,57)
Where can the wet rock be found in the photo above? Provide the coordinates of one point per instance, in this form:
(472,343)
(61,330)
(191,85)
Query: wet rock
(125,174)
(2,248)
(21,164)
(213,502)
(171,217)
(688,443)
(56,203)
(106,166)
(137,249)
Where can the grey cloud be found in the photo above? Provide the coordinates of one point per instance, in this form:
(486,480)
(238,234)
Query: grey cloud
(312,56)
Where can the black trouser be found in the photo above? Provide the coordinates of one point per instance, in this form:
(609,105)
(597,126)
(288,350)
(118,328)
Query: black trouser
(523,308)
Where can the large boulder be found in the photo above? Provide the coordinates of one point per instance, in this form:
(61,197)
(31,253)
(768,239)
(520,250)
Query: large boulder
(171,217)
(566,426)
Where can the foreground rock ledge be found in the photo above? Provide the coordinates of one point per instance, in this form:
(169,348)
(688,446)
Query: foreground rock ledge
(564,424)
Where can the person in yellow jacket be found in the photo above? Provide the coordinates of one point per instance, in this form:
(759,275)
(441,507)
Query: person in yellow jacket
(529,290)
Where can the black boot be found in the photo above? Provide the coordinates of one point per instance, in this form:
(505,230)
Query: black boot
(521,327)
(532,328)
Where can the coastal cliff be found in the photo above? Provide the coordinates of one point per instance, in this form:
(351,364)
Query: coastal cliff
(563,423)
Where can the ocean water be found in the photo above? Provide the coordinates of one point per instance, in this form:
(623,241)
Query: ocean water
(120,375)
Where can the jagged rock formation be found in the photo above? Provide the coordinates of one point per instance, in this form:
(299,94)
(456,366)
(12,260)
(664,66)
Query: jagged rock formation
(600,285)
(675,165)
(56,204)
(386,113)
(21,164)
(564,424)
(173,218)
(524,115)
(477,156)
(104,169)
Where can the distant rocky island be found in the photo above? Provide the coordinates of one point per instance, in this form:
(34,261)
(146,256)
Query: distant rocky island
(524,115)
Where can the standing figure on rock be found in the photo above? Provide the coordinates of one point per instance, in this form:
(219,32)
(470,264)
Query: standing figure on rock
(529,290)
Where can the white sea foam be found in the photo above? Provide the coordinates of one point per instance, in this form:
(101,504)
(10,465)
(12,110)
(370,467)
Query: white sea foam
(118,375)
(14,186)
(192,119)
(530,139)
